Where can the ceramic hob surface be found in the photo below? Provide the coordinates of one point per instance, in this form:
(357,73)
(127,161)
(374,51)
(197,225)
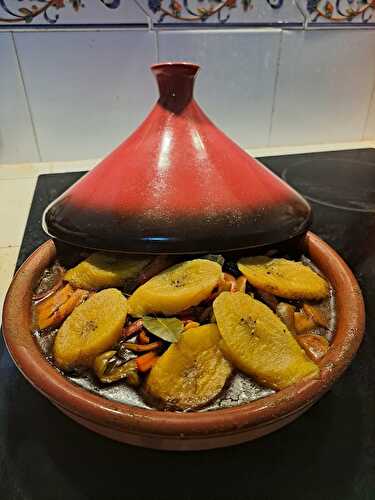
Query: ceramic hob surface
(328,453)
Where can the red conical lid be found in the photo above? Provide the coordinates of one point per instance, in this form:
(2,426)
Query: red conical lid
(177,185)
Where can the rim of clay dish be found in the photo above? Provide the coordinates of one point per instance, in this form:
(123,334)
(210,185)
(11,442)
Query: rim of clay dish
(133,420)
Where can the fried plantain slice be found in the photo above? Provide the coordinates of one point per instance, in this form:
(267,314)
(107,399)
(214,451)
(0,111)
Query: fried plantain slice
(92,328)
(103,270)
(191,372)
(284,278)
(177,288)
(259,343)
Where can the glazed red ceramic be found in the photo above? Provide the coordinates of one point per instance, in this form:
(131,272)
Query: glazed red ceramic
(177,185)
(174,430)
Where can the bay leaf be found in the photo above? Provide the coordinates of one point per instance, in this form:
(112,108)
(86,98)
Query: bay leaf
(168,329)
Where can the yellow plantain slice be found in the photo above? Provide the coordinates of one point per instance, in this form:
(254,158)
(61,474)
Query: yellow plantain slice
(177,288)
(92,328)
(259,343)
(191,372)
(284,278)
(102,270)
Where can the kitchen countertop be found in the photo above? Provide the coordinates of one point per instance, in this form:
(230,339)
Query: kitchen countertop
(17,184)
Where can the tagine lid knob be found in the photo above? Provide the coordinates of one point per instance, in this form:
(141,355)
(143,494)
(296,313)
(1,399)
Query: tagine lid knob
(178,184)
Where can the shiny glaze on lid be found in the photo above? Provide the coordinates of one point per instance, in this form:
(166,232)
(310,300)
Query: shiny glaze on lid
(176,185)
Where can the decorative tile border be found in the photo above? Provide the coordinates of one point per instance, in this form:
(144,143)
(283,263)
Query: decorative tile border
(335,13)
(59,13)
(189,13)
(52,13)
(223,12)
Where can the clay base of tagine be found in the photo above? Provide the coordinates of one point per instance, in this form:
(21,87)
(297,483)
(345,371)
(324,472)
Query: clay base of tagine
(183,431)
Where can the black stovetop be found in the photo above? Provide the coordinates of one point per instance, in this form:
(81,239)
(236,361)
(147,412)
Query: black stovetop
(328,453)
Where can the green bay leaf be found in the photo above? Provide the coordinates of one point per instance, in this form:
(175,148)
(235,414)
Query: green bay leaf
(168,329)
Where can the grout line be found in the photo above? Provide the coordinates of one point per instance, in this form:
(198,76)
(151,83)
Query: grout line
(372,98)
(27,98)
(150,25)
(9,246)
(74,28)
(275,88)
(303,13)
(146,13)
(157,46)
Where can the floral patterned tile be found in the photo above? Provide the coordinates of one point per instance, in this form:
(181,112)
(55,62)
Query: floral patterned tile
(338,13)
(55,13)
(223,12)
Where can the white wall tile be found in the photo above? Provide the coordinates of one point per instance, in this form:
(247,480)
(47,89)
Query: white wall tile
(369,132)
(87,90)
(324,86)
(236,83)
(16,133)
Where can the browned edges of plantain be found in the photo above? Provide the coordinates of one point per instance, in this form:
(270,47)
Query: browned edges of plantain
(192,371)
(284,278)
(259,343)
(101,270)
(92,328)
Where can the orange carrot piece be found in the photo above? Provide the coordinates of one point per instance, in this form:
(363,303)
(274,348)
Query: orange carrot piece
(303,323)
(132,329)
(230,282)
(317,314)
(146,361)
(143,338)
(59,310)
(190,324)
(53,302)
(315,346)
(241,284)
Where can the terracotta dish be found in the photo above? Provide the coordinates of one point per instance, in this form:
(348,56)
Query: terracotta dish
(173,430)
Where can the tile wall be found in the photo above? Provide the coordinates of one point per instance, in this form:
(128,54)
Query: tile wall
(74,77)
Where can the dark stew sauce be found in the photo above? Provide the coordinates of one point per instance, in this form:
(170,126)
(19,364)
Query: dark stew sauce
(307,320)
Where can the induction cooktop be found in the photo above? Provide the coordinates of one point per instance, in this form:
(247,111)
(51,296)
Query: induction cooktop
(328,453)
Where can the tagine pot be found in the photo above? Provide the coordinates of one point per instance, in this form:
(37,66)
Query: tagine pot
(177,185)
(173,430)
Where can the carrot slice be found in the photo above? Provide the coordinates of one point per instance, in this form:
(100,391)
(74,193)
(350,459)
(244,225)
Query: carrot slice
(52,311)
(143,338)
(230,283)
(190,324)
(241,284)
(146,361)
(132,329)
(303,323)
(317,314)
